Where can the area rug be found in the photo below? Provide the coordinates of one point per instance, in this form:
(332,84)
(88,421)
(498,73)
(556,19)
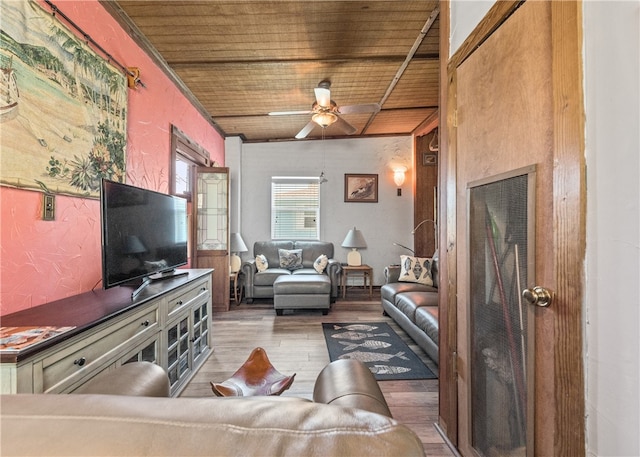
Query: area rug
(378,346)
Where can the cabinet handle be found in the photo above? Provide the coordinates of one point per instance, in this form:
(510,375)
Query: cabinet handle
(179,303)
(145,323)
(80,362)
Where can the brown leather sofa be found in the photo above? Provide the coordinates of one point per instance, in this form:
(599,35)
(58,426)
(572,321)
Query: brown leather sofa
(347,417)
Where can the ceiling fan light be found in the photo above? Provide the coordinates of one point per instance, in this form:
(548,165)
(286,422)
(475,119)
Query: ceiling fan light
(324,119)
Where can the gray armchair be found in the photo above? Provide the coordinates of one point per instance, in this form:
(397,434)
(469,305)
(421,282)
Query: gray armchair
(259,284)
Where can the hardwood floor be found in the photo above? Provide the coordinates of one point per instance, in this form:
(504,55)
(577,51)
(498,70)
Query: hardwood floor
(295,344)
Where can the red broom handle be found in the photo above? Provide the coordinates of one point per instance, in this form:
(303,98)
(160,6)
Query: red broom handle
(505,313)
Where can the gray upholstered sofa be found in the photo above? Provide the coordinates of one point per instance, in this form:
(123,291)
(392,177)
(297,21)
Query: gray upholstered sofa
(414,307)
(259,284)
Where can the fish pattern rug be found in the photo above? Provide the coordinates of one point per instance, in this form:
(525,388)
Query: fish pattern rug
(378,346)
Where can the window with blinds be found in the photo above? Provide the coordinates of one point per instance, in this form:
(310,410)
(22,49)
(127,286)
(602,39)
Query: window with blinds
(295,208)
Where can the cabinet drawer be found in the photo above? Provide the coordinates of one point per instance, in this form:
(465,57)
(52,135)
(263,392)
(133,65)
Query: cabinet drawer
(183,298)
(85,357)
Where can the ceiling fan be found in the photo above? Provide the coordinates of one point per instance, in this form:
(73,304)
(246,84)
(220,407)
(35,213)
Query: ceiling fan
(325,112)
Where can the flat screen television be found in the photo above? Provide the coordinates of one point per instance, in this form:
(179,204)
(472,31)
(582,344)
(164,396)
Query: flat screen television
(144,235)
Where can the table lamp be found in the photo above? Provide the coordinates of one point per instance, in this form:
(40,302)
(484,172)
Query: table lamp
(237,246)
(354,240)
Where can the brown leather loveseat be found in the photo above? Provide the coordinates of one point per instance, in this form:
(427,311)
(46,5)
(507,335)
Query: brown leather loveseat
(347,417)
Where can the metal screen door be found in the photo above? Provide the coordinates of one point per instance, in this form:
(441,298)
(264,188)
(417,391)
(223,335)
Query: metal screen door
(501,328)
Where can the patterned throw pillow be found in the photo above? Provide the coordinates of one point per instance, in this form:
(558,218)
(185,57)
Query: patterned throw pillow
(261,262)
(415,269)
(321,263)
(290,259)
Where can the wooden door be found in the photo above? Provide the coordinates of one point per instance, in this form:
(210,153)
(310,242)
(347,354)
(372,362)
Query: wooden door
(211,213)
(515,104)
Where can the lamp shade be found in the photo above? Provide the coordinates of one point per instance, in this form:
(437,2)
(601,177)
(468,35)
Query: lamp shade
(324,118)
(237,243)
(354,240)
(398,176)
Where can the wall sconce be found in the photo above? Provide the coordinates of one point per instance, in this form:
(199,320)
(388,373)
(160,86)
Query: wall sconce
(398,175)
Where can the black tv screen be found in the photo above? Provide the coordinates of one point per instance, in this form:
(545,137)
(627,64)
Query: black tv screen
(144,233)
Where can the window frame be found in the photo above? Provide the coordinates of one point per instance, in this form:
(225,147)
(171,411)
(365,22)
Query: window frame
(292,181)
(182,148)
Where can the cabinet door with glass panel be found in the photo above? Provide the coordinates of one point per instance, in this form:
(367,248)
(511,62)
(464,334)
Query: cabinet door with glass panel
(179,364)
(200,331)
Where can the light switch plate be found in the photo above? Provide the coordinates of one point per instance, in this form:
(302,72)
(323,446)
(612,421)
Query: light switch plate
(49,207)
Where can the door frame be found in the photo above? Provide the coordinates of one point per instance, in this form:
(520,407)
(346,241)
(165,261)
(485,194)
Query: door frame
(562,431)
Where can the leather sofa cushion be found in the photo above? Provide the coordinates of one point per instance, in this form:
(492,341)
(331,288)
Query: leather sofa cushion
(63,425)
(270,249)
(302,284)
(311,250)
(409,302)
(306,271)
(268,276)
(426,319)
(389,291)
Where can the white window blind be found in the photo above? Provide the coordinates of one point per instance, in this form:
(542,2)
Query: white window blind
(295,208)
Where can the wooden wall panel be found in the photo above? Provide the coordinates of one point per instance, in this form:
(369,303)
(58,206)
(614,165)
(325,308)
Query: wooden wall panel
(426,184)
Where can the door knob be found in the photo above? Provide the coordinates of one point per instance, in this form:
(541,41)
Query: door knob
(538,296)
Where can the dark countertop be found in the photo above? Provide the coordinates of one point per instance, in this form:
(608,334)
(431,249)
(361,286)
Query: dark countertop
(87,310)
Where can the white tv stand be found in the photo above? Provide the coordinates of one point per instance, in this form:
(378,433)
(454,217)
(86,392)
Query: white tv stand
(168,323)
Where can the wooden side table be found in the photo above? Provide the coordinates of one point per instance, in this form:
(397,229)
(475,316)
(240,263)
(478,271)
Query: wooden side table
(236,286)
(362,270)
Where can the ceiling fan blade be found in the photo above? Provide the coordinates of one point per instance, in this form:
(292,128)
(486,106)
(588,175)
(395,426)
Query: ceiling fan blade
(305,130)
(345,126)
(323,96)
(287,113)
(356,109)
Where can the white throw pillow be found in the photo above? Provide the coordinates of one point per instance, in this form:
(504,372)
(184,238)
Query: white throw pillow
(290,259)
(261,262)
(415,269)
(321,263)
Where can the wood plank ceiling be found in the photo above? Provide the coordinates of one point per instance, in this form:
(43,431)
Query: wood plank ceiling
(240,60)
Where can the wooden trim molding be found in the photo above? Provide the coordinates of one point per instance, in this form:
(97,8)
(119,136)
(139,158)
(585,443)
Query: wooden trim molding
(564,427)
(569,213)
(448,393)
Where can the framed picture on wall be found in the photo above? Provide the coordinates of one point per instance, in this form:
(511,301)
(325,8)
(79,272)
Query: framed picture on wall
(361,188)
(429,159)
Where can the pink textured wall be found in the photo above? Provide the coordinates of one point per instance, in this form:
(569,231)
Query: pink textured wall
(44,261)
